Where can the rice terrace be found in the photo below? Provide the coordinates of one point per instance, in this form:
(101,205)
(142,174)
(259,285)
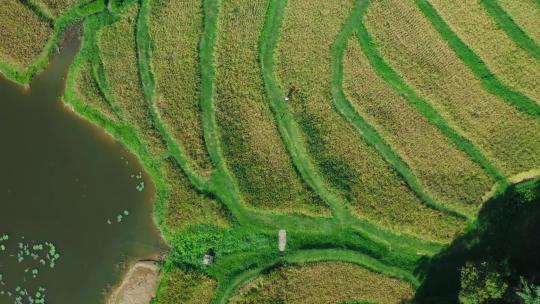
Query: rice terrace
(269,151)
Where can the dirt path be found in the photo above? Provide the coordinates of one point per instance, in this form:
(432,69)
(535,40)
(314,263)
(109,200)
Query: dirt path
(138,286)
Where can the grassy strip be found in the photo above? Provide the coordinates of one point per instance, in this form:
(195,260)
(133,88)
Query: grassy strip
(75,14)
(394,80)
(369,134)
(475,63)
(149,88)
(507,24)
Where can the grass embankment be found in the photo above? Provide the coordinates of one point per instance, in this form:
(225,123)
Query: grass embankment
(512,64)
(119,54)
(324,282)
(526,14)
(348,164)
(439,80)
(457,181)
(23,35)
(251,143)
(174,27)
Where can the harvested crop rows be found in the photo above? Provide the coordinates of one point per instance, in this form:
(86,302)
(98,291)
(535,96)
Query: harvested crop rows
(119,55)
(363,128)
(177,77)
(512,64)
(347,163)
(324,282)
(423,59)
(457,180)
(195,288)
(185,205)
(88,89)
(251,142)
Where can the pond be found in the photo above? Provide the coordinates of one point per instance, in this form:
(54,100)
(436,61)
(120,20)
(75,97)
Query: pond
(72,213)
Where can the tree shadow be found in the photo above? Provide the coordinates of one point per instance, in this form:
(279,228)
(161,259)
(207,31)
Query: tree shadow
(506,235)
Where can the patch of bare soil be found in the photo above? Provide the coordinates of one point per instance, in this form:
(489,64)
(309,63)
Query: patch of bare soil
(138,286)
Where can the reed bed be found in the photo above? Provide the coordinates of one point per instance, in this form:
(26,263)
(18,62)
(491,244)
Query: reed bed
(456,181)
(119,54)
(23,34)
(351,167)
(175,29)
(423,59)
(251,142)
(513,65)
(325,282)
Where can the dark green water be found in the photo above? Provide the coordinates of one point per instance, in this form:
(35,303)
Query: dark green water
(61,179)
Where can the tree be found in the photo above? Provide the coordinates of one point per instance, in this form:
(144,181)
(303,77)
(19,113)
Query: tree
(529,294)
(481,283)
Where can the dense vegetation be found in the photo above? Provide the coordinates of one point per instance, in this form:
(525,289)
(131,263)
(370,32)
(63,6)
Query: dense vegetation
(389,138)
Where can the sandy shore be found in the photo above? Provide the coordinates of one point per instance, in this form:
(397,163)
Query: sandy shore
(138,286)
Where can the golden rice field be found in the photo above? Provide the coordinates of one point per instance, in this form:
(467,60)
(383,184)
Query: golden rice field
(251,142)
(22,33)
(175,27)
(183,286)
(257,83)
(321,283)
(373,189)
(503,57)
(526,14)
(185,206)
(457,181)
(87,89)
(118,52)
(416,51)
